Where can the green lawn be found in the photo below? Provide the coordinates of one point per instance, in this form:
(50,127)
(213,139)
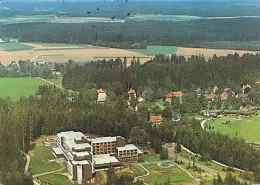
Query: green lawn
(161,105)
(162,175)
(55,81)
(154,158)
(56,179)
(151,158)
(247,128)
(153,50)
(13,46)
(40,161)
(18,87)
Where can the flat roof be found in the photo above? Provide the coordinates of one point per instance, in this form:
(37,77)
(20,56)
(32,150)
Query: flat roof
(71,135)
(81,154)
(81,162)
(57,151)
(103,139)
(127,147)
(104,159)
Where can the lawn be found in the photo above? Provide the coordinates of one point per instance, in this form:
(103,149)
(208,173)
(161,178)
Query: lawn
(55,80)
(13,46)
(56,179)
(18,87)
(154,158)
(151,158)
(247,128)
(153,50)
(40,161)
(162,175)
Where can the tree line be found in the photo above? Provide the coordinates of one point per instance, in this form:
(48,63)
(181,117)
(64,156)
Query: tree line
(136,34)
(164,74)
(27,69)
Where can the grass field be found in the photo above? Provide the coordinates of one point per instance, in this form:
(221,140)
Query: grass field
(247,128)
(40,161)
(153,50)
(18,87)
(162,175)
(56,179)
(14,46)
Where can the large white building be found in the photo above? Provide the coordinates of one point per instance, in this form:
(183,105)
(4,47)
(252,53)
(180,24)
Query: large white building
(85,155)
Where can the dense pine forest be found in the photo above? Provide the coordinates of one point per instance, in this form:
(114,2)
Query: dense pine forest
(137,34)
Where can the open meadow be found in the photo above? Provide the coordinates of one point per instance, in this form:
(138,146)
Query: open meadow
(18,87)
(244,127)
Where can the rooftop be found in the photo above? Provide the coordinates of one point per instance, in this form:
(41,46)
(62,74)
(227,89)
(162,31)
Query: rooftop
(104,159)
(156,119)
(103,139)
(127,147)
(100,91)
(71,135)
(176,94)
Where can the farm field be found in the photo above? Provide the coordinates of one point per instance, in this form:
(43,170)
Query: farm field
(62,53)
(161,175)
(18,87)
(84,53)
(14,46)
(53,19)
(161,17)
(208,53)
(247,128)
(153,50)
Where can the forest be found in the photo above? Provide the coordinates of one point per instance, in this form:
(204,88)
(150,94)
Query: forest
(179,73)
(137,34)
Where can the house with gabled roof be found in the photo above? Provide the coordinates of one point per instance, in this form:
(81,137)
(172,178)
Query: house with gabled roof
(177,94)
(102,96)
(156,120)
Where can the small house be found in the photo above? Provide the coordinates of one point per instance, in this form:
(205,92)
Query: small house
(210,97)
(224,96)
(177,94)
(102,96)
(156,120)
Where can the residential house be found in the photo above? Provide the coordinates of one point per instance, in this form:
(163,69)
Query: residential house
(246,88)
(210,97)
(224,96)
(102,96)
(214,89)
(156,120)
(177,94)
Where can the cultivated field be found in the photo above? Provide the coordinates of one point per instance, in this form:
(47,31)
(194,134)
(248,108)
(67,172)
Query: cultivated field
(18,87)
(208,53)
(63,53)
(53,19)
(84,53)
(247,128)
(153,50)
